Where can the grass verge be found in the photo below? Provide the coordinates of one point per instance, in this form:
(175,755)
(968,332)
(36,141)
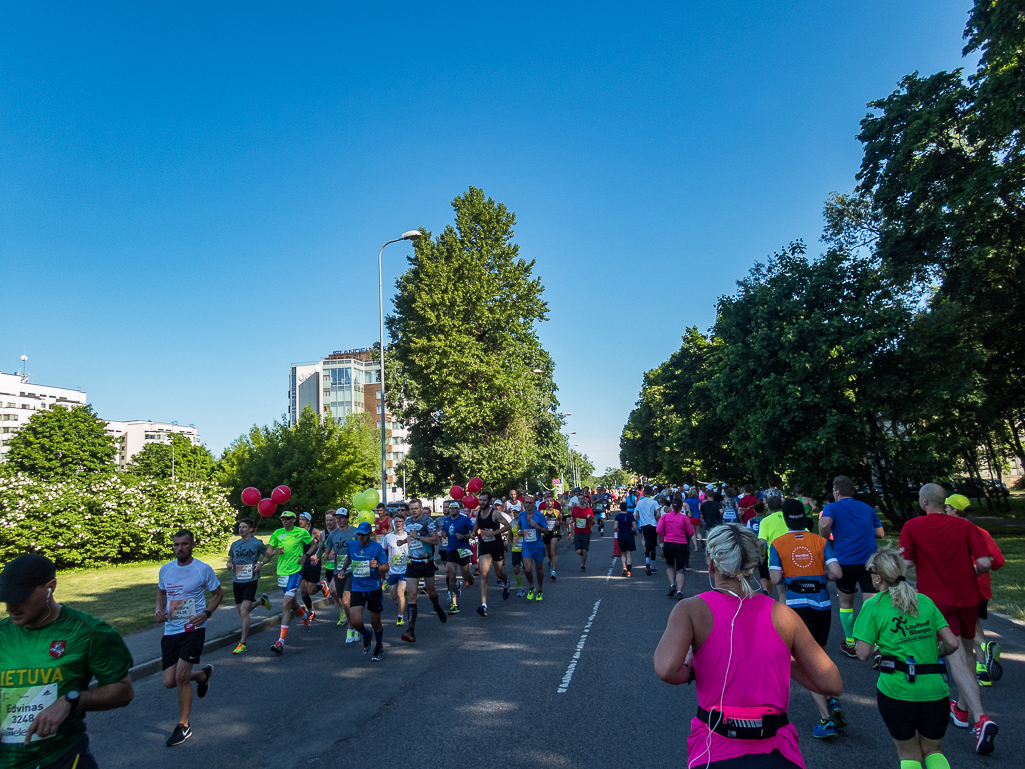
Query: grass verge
(1009,582)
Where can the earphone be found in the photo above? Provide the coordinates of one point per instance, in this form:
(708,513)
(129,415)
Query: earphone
(49,592)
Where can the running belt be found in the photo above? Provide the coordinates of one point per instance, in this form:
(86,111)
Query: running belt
(743,723)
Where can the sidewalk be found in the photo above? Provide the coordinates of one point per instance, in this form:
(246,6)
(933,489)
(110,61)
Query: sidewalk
(222,629)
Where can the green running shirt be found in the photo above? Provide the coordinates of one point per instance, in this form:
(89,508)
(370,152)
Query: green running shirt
(294,544)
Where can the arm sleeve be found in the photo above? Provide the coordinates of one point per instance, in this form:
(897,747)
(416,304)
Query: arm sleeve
(211,582)
(977,544)
(661,527)
(261,549)
(160,581)
(876,521)
(906,544)
(274,541)
(774,562)
(109,658)
(827,553)
(865,625)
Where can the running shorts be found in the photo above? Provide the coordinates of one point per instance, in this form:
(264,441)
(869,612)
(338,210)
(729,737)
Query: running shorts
(373,600)
(78,757)
(420,570)
(650,537)
(244,591)
(462,559)
(187,647)
(817,621)
(627,544)
(495,548)
(311,572)
(984,608)
(517,557)
(443,554)
(536,553)
(676,554)
(855,575)
(961,620)
(289,583)
(343,582)
(903,718)
(582,541)
(394,579)
(329,574)
(548,536)
(773,760)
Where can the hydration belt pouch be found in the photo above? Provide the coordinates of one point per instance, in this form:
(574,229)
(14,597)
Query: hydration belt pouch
(805,586)
(759,723)
(910,668)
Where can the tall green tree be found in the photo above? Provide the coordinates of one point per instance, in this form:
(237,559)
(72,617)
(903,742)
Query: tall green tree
(62,443)
(465,356)
(179,457)
(324,462)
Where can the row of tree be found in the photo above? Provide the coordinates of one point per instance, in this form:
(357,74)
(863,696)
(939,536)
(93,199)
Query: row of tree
(896,357)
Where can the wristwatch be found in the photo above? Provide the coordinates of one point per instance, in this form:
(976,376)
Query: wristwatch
(72,698)
(208,613)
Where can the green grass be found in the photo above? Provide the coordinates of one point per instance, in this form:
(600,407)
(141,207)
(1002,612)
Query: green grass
(1009,582)
(126,595)
(1015,503)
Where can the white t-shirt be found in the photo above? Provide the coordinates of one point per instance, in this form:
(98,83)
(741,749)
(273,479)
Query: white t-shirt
(186,588)
(646,507)
(517,506)
(398,554)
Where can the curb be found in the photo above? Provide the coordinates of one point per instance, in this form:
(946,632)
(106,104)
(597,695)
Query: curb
(151,666)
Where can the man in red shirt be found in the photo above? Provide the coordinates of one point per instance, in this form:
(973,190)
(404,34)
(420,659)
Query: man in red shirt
(948,554)
(582,519)
(747,503)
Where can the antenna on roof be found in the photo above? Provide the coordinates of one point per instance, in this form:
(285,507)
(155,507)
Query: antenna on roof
(24,372)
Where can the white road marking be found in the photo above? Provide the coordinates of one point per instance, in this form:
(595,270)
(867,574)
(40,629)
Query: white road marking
(564,686)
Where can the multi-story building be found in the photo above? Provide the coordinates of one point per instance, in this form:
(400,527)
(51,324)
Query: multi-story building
(20,399)
(348,382)
(132,436)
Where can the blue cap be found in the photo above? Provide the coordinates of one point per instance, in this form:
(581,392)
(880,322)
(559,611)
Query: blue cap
(363,528)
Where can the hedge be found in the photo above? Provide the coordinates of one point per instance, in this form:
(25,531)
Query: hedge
(105,519)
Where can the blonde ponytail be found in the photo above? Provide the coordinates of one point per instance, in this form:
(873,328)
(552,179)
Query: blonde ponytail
(888,563)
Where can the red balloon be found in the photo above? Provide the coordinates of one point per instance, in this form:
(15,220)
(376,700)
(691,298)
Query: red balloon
(250,496)
(266,507)
(475,485)
(281,495)
(470,502)
(456,492)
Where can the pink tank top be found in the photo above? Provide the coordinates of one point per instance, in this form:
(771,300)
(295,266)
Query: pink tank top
(759,675)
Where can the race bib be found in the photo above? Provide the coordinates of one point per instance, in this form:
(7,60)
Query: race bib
(487,537)
(361,568)
(464,552)
(20,706)
(517,543)
(530,535)
(179,611)
(283,580)
(243,572)
(398,561)
(581,523)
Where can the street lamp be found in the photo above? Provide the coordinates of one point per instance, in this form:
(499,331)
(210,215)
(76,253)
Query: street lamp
(413,235)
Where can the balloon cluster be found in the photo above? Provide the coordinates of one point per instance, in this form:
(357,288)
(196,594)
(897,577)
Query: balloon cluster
(470,500)
(365,502)
(266,507)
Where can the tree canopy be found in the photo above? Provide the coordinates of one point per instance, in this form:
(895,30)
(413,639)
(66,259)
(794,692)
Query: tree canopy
(61,443)
(187,461)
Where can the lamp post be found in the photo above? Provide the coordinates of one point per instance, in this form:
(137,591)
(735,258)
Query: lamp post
(413,235)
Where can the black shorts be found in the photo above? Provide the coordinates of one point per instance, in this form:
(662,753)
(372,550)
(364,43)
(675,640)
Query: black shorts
(78,757)
(582,541)
(343,582)
(855,575)
(517,558)
(443,554)
(773,760)
(984,608)
(420,570)
(905,718)
(650,534)
(548,536)
(495,548)
(311,572)
(244,591)
(676,554)
(454,557)
(187,647)
(627,544)
(373,600)
(329,575)
(817,621)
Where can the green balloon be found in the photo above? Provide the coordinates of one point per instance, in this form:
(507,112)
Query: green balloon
(372,498)
(357,501)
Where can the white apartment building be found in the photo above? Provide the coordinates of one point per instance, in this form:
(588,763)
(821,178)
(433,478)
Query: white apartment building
(20,399)
(132,436)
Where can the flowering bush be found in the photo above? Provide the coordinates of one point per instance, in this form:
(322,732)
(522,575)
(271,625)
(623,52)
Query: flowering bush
(111,518)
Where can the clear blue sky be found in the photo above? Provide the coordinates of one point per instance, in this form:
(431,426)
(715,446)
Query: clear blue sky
(192,195)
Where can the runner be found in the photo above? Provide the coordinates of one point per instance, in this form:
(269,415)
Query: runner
(647,523)
(515,542)
(731,512)
(291,544)
(533,525)
(515,504)
(490,529)
(423,537)
(328,583)
(711,513)
(396,545)
(382,522)
(182,607)
(600,503)
(553,517)
(903,625)
(773,525)
(804,563)
(763,564)
(336,546)
(458,529)
(855,528)
(310,582)
(582,519)
(948,553)
(245,557)
(369,564)
(60,650)
(625,530)
(747,502)
(675,533)
(741,650)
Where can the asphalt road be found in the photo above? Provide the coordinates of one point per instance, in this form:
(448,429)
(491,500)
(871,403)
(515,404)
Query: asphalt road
(525,687)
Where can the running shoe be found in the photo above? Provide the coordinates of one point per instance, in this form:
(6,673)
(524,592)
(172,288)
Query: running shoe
(378,655)
(624,572)
(982,674)
(679,595)
(307,618)
(240,649)
(958,716)
(847,650)
(583,568)
(836,713)
(341,621)
(278,647)
(453,609)
(539,597)
(203,686)
(647,570)
(553,575)
(672,591)
(530,594)
(482,610)
(984,732)
(469,581)
(323,588)
(350,636)
(505,592)
(265,602)
(366,642)
(993,661)
(409,636)
(520,593)
(825,729)
(441,613)
(629,571)
(399,622)
(179,735)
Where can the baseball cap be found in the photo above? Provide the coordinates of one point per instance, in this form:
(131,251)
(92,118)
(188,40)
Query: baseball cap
(288,514)
(452,504)
(307,516)
(23,575)
(342,511)
(958,502)
(794,514)
(363,528)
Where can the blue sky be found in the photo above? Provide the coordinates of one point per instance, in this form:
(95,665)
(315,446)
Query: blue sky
(192,195)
